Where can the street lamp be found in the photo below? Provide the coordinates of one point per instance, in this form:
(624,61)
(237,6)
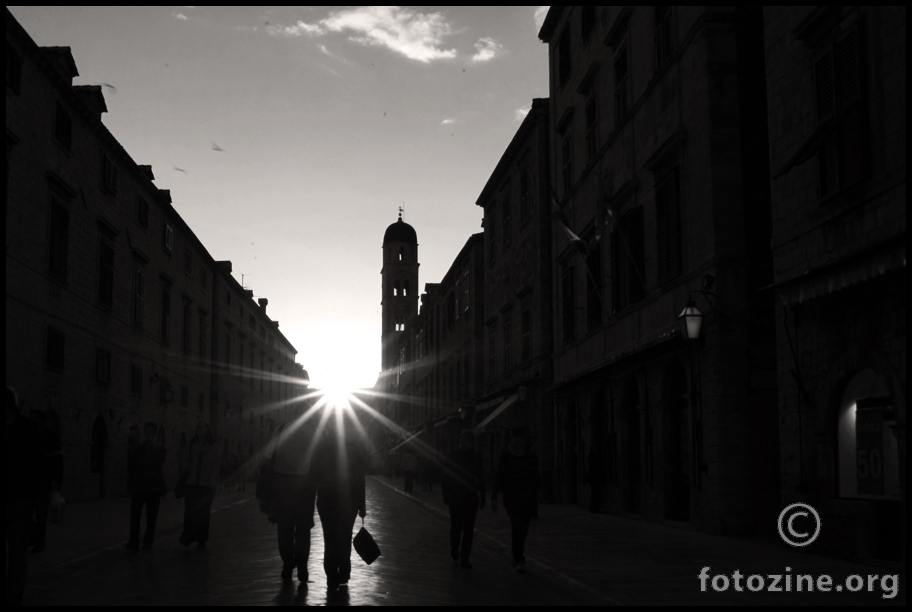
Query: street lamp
(691,319)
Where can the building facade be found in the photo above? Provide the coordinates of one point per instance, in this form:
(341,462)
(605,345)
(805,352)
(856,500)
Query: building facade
(113,314)
(837,130)
(660,176)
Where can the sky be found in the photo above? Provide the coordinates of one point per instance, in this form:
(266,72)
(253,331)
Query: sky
(328,120)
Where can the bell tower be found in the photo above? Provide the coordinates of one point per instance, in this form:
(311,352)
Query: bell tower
(399,301)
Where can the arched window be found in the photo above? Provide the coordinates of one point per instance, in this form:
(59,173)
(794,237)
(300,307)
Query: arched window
(401,253)
(866,440)
(396,288)
(405,289)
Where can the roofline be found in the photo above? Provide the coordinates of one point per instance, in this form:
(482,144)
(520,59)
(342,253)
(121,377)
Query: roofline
(551,19)
(538,111)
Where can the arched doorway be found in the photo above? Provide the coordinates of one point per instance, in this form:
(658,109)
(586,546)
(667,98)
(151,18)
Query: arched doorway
(630,408)
(678,448)
(99,445)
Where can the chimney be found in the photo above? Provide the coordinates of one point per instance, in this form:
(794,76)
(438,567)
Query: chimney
(263,302)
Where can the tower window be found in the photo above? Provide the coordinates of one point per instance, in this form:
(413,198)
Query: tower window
(405,288)
(396,288)
(401,253)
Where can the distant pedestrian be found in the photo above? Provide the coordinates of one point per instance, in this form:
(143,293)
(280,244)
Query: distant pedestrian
(409,465)
(293,495)
(146,484)
(53,477)
(340,498)
(519,481)
(598,472)
(464,493)
(202,466)
(26,479)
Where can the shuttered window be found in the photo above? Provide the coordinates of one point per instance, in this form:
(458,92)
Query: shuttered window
(668,225)
(627,259)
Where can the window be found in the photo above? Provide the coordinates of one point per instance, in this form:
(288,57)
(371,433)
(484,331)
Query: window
(167,237)
(108,175)
(458,293)
(188,262)
(668,225)
(401,253)
(465,292)
(105,273)
(588,20)
(491,231)
(54,353)
(563,55)
(102,366)
(396,288)
(505,217)
(202,335)
(621,84)
(251,322)
(59,238)
(663,33)
(594,287)
(63,127)
(526,334)
(185,396)
(185,328)
(568,305)
(627,257)
(139,293)
(508,340)
(165,319)
(227,349)
(567,160)
(451,309)
(839,87)
(142,212)
(591,128)
(524,203)
(136,380)
(13,69)
(406,287)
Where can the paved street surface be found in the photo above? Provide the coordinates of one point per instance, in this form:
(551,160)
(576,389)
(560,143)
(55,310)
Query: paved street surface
(574,558)
(240,566)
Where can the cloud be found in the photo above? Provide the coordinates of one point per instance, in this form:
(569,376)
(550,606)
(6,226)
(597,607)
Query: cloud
(180,16)
(417,36)
(486,49)
(521,113)
(448,121)
(540,13)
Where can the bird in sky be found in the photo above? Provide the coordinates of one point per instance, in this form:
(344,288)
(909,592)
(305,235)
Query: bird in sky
(215,147)
(111,87)
(179,169)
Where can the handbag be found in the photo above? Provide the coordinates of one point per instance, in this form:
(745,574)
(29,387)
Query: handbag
(58,506)
(365,546)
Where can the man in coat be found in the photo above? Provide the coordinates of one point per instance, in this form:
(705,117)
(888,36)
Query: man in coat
(519,481)
(464,493)
(146,483)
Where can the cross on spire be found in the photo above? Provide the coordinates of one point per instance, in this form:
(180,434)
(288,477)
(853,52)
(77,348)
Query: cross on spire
(401,210)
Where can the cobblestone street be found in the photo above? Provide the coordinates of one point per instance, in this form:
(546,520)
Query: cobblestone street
(241,567)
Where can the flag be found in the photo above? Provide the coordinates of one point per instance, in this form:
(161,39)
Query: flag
(565,223)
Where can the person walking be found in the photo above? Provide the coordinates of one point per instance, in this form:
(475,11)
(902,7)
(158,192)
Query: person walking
(464,493)
(202,467)
(519,481)
(146,484)
(340,498)
(26,478)
(293,496)
(53,478)
(409,464)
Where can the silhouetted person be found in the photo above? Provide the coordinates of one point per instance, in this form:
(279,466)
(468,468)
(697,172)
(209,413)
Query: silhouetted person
(464,493)
(409,465)
(293,495)
(26,479)
(518,479)
(340,498)
(598,471)
(202,461)
(53,478)
(146,483)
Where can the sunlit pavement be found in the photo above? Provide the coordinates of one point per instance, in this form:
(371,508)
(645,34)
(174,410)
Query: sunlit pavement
(240,566)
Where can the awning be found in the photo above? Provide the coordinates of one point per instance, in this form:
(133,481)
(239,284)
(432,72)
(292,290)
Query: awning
(520,394)
(814,284)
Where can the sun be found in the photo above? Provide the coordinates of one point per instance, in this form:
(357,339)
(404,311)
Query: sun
(337,396)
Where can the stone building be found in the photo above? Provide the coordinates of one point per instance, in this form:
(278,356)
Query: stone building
(837,131)
(113,314)
(661,188)
(517,294)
